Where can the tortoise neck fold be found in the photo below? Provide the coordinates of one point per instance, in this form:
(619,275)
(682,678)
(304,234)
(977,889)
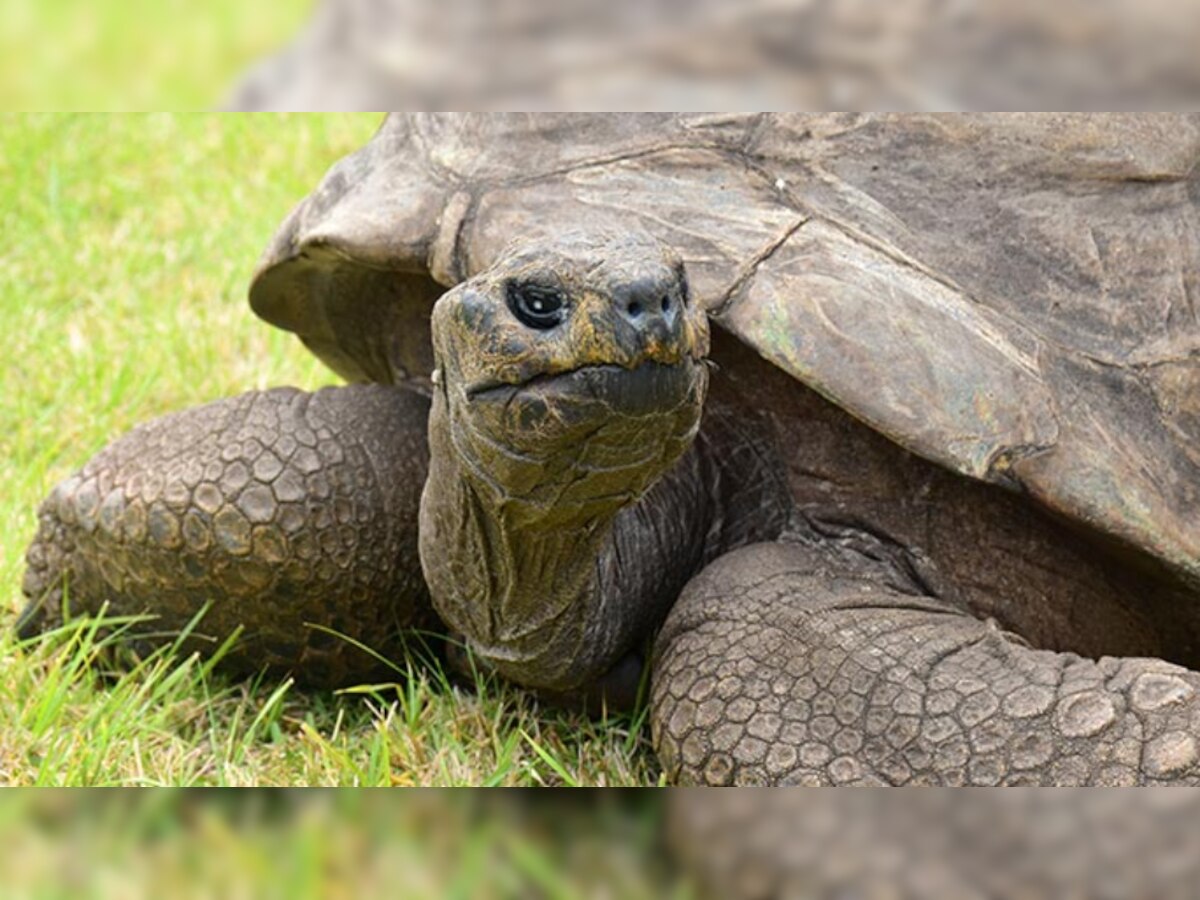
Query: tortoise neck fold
(552,597)
(542,572)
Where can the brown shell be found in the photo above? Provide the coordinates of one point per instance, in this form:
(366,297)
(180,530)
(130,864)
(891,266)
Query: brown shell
(1012,296)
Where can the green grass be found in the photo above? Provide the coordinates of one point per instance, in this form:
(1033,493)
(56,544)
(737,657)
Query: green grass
(128,245)
(135,54)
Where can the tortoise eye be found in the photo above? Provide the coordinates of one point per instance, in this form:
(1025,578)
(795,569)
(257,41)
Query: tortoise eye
(536,306)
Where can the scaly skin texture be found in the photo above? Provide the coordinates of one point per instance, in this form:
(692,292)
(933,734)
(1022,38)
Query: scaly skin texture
(283,509)
(777,666)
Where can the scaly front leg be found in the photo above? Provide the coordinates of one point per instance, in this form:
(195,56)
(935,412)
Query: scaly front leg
(284,510)
(773,669)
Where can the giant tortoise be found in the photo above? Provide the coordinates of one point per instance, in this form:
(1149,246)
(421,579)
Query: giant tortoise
(920,508)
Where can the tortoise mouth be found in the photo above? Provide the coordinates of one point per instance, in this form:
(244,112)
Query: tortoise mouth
(648,389)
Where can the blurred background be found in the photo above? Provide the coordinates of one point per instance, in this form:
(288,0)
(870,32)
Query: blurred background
(627,54)
(750,844)
(335,844)
(134,54)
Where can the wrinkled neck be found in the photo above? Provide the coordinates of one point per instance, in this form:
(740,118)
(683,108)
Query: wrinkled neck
(530,583)
(553,596)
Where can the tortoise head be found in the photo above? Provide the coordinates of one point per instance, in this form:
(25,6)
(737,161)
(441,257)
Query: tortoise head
(570,376)
(571,373)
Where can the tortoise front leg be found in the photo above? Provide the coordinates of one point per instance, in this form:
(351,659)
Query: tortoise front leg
(769,670)
(284,510)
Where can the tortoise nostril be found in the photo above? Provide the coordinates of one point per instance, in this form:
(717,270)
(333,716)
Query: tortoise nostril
(634,308)
(666,303)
